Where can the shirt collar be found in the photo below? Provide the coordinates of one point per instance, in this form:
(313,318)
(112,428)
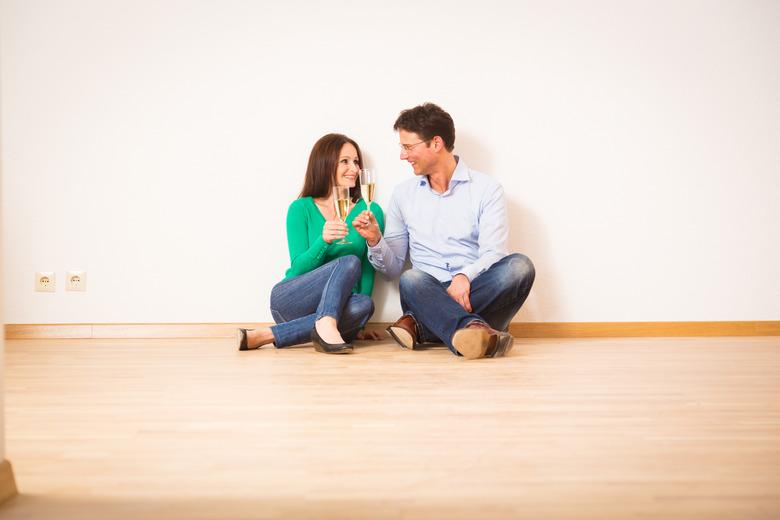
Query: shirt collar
(461,173)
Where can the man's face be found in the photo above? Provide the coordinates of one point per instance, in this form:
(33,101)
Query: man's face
(416,152)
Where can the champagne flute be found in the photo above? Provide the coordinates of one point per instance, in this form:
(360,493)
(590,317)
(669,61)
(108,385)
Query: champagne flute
(368,186)
(342,201)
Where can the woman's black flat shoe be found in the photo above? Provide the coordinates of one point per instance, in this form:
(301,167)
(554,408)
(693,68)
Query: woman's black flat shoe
(321,345)
(241,339)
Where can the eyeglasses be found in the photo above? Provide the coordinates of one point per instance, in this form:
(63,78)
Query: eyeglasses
(410,147)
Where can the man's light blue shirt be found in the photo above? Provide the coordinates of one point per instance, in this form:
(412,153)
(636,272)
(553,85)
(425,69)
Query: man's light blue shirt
(463,230)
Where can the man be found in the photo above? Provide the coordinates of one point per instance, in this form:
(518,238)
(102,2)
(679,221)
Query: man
(463,288)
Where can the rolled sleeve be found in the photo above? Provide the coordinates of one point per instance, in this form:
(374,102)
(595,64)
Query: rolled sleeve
(389,254)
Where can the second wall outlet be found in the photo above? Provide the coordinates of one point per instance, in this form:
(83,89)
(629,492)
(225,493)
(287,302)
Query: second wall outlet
(76,281)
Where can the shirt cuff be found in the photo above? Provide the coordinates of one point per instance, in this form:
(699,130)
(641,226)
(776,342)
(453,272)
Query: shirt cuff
(469,272)
(376,254)
(323,247)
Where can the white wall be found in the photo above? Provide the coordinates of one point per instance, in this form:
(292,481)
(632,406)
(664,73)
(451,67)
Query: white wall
(157,144)
(2,344)
(2,314)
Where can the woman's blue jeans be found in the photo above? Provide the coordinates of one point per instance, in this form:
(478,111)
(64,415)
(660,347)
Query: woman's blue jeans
(326,291)
(496,296)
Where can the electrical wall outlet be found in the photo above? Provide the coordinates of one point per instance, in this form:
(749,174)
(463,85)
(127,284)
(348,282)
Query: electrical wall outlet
(76,281)
(45,281)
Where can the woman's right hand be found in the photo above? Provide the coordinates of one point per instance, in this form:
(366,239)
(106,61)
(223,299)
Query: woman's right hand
(333,230)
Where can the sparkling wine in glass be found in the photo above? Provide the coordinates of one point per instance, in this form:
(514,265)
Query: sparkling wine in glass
(342,207)
(368,186)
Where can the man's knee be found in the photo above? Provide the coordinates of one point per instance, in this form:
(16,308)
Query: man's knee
(411,280)
(518,270)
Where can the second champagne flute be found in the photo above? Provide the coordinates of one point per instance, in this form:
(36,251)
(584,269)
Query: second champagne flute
(368,186)
(342,207)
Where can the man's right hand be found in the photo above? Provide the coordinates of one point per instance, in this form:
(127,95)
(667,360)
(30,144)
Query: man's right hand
(365,224)
(333,230)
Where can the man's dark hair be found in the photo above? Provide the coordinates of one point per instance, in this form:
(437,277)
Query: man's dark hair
(428,121)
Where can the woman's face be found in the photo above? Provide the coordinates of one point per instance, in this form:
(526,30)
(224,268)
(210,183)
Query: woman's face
(348,167)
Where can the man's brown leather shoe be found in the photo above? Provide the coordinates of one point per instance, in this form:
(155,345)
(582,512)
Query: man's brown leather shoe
(405,332)
(479,340)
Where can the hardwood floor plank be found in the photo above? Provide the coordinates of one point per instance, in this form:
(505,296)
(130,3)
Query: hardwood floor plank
(561,428)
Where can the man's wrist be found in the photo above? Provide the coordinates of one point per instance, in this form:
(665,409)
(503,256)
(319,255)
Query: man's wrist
(375,241)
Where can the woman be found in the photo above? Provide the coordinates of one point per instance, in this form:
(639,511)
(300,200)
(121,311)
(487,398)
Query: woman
(325,296)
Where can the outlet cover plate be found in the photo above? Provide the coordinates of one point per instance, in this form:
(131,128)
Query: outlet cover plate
(76,281)
(45,281)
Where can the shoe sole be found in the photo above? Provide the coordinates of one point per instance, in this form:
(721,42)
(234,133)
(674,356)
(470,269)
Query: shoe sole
(473,343)
(319,348)
(402,337)
(505,343)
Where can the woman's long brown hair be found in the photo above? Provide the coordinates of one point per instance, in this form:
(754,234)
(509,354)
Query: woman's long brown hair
(323,162)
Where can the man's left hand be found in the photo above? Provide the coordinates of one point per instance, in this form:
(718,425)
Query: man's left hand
(365,224)
(459,290)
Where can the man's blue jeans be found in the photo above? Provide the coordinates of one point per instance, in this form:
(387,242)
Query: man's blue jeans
(326,291)
(496,296)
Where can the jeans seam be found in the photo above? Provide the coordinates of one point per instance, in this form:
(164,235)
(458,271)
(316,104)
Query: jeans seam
(281,317)
(325,290)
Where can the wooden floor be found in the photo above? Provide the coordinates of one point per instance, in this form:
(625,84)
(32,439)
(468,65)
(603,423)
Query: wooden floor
(581,429)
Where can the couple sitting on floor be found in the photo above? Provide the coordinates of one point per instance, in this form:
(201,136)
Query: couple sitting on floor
(463,289)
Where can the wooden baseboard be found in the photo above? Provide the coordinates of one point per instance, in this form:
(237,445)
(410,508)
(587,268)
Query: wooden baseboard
(124,330)
(645,329)
(7,481)
(519,329)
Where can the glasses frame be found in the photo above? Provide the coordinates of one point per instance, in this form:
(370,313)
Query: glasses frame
(410,147)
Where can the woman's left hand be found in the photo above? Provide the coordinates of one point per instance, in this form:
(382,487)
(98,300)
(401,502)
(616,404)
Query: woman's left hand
(368,335)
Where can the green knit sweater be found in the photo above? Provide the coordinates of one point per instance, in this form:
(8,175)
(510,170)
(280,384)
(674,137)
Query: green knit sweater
(309,251)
